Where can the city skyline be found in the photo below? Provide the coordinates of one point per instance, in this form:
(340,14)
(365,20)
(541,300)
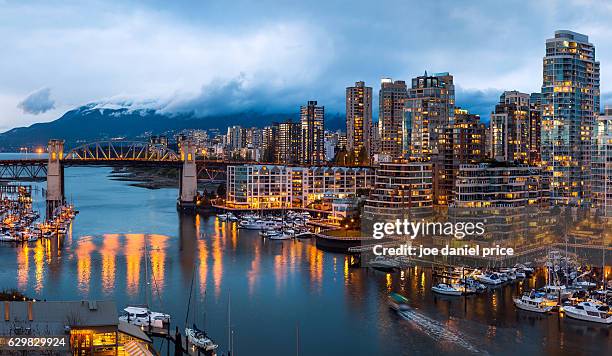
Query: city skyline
(187,49)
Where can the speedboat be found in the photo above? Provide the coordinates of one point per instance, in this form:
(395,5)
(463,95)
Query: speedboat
(534,302)
(489,278)
(199,338)
(589,311)
(448,289)
(398,302)
(142,316)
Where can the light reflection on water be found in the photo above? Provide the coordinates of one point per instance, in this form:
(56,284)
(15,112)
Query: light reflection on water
(274,284)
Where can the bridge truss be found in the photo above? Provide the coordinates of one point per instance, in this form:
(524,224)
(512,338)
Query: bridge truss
(23,169)
(123,151)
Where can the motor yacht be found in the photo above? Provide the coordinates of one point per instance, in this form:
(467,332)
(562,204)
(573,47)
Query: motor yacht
(143,316)
(449,289)
(489,278)
(589,311)
(534,302)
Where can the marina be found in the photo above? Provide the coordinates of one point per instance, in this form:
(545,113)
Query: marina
(142,262)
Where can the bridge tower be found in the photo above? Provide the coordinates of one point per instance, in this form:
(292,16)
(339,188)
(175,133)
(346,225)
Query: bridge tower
(188,187)
(55,175)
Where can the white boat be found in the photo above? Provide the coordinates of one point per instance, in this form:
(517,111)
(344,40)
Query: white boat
(584,285)
(7,238)
(520,273)
(448,289)
(489,278)
(534,302)
(222,217)
(279,236)
(589,311)
(142,316)
(199,338)
(258,225)
(473,284)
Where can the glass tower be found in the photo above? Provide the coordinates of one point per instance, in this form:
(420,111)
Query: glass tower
(570,100)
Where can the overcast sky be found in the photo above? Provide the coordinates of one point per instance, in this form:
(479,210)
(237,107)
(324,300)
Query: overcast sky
(221,56)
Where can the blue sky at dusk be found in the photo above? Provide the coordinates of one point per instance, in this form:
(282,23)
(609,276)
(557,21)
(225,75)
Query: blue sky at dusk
(230,56)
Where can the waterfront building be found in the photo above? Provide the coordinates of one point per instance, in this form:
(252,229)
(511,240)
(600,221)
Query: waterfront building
(312,150)
(91,327)
(499,184)
(287,142)
(428,109)
(281,186)
(461,142)
(358,122)
(509,125)
(401,189)
(392,96)
(570,101)
(602,164)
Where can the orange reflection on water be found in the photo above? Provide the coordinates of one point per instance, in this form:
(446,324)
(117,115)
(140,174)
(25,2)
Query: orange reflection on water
(203,268)
(255,270)
(315,258)
(39,263)
(109,250)
(23,265)
(133,253)
(83,253)
(158,245)
(217,255)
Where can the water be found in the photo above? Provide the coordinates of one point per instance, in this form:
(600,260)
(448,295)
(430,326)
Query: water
(277,287)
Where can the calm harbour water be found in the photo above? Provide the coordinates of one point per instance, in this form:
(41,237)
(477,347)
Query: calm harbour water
(276,287)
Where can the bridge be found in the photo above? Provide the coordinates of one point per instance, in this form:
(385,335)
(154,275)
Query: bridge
(117,153)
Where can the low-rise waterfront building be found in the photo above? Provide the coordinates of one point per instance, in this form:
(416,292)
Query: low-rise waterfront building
(401,189)
(281,186)
(499,184)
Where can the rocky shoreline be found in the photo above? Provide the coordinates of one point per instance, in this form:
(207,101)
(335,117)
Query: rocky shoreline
(149,178)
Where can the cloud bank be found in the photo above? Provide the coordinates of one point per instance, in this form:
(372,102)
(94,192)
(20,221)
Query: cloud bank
(37,102)
(217,56)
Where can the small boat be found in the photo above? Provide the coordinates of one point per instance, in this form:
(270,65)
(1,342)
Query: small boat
(556,292)
(279,236)
(222,217)
(258,225)
(589,311)
(398,302)
(142,316)
(473,284)
(534,302)
(383,264)
(584,285)
(199,338)
(489,278)
(448,289)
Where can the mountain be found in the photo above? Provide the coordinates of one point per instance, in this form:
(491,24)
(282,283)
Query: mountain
(91,123)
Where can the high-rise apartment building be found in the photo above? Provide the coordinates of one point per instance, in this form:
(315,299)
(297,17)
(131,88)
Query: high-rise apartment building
(535,128)
(392,96)
(359,121)
(601,167)
(269,134)
(428,110)
(461,142)
(510,130)
(570,100)
(287,142)
(312,149)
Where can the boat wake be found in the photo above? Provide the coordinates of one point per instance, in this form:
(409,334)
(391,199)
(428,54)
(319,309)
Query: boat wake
(437,330)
